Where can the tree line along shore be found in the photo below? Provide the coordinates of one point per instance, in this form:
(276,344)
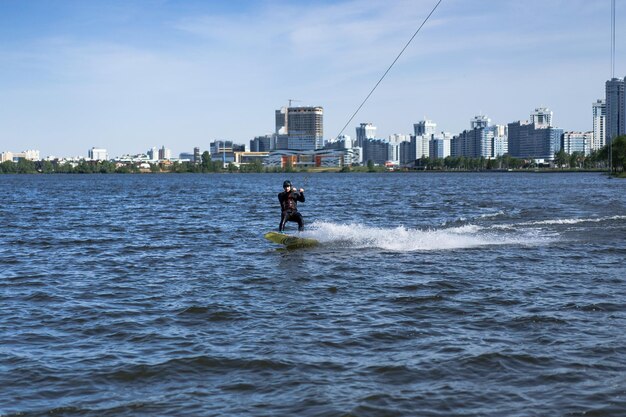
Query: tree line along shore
(563,162)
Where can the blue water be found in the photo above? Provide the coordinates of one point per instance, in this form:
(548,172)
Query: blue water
(430,295)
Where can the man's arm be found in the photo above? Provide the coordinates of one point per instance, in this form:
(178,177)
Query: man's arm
(301,195)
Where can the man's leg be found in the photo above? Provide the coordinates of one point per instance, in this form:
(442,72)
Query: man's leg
(298,217)
(283,220)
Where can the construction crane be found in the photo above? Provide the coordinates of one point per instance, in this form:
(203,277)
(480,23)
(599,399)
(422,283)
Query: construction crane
(292,99)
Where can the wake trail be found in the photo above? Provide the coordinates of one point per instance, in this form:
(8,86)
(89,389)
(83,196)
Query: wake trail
(401,239)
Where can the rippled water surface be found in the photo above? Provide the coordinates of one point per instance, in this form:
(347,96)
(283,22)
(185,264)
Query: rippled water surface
(429,295)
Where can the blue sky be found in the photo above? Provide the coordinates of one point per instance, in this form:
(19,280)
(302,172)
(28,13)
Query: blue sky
(130,75)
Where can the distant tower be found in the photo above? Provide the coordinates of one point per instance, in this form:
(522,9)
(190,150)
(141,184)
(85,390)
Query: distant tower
(305,128)
(480,121)
(196,155)
(363,132)
(425,128)
(615,109)
(541,117)
(281,121)
(97,154)
(165,154)
(599,124)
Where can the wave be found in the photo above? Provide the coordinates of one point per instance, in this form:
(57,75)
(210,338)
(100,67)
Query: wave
(552,222)
(401,239)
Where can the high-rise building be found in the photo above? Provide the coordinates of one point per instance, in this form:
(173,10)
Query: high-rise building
(480,121)
(615,108)
(303,128)
(425,128)
(281,121)
(527,142)
(153,153)
(165,154)
(541,117)
(421,144)
(599,124)
(196,155)
(577,142)
(376,150)
(363,132)
(440,145)
(476,142)
(261,144)
(97,154)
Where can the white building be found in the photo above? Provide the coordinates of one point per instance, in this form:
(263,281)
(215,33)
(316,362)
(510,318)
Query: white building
(165,154)
(500,146)
(425,128)
(30,155)
(577,142)
(599,124)
(399,138)
(541,117)
(364,132)
(440,145)
(97,154)
(153,153)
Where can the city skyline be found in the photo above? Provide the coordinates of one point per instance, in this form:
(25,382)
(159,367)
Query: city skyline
(126,76)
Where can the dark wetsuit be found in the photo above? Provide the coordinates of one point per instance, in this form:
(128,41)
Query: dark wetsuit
(289,209)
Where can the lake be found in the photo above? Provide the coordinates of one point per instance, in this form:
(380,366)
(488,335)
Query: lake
(431,294)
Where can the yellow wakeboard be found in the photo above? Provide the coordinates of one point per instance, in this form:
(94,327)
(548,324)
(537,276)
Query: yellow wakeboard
(290,241)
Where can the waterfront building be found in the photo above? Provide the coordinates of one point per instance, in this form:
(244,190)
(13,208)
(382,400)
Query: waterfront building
(500,146)
(282,142)
(440,145)
(97,154)
(197,158)
(346,144)
(526,141)
(342,142)
(615,108)
(153,153)
(186,156)
(305,128)
(6,156)
(599,124)
(261,144)
(422,146)
(321,158)
(165,154)
(29,155)
(393,154)
(476,142)
(299,128)
(399,138)
(281,121)
(499,130)
(363,132)
(407,153)
(376,150)
(500,141)
(541,117)
(425,128)
(398,143)
(222,150)
(245,157)
(577,142)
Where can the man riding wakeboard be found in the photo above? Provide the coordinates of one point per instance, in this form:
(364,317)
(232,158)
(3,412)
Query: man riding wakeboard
(289,206)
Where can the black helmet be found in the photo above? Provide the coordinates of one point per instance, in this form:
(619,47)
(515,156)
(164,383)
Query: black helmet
(286,184)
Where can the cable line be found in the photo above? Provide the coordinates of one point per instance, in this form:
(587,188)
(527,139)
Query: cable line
(390,66)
